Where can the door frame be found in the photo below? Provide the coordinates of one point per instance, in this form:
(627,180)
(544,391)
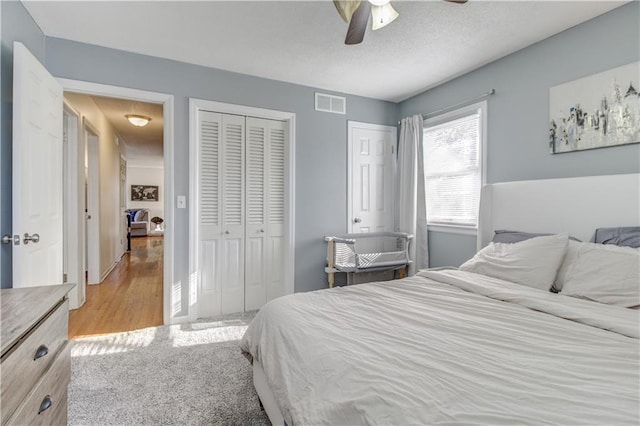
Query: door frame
(167,101)
(74,266)
(92,202)
(289,118)
(369,126)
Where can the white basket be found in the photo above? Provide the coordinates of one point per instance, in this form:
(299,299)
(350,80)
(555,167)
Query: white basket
(367,252)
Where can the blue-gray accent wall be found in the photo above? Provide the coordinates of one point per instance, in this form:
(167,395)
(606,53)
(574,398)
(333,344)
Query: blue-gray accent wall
(518,114)
(517,126)
(17,25)
(321,138)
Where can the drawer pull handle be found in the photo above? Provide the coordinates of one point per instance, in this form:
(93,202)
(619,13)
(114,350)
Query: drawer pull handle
(42,351)
(45,404)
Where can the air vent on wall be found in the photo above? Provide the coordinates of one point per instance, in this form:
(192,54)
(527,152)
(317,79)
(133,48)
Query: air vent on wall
(331,103)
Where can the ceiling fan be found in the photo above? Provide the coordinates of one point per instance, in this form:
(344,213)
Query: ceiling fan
(356,13)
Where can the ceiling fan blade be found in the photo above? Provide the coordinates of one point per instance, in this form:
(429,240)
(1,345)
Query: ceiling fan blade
(346,8)
(358,23)
(457,1)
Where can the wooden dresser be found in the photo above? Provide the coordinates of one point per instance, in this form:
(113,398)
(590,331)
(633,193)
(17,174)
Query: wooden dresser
(35,367)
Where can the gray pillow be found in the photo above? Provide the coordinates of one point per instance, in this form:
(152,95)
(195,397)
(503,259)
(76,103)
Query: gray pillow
(627,236)
(510,237)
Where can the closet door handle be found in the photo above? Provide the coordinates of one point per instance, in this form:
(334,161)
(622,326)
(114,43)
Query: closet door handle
(227,232)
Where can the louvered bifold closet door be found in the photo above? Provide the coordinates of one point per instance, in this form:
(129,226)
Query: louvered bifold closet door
(221,213)
(209,211)
(256,200)
(276,147)
(233,204)
(264,261)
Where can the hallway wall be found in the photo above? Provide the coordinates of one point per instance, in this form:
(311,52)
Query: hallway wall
(109,154)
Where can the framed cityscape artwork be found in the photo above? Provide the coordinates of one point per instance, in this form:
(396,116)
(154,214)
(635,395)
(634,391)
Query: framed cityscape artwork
(597,111)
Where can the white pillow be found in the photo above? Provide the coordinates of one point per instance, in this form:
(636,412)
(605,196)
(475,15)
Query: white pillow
(569,258)
(605,273)
(532,262)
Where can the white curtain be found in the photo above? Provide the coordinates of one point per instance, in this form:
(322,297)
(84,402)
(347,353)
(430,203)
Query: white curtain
(412,209)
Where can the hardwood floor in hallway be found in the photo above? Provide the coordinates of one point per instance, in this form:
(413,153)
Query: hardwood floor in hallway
(129,298)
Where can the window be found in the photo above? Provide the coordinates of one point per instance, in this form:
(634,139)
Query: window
(453,166)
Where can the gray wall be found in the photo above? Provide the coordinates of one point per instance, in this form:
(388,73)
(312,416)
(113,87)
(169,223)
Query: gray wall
(321,138)
(17,25)
(518,113)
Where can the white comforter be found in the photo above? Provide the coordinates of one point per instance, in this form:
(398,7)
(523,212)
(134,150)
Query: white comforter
(448,347)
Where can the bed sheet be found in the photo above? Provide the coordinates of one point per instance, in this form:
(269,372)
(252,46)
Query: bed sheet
(447,347)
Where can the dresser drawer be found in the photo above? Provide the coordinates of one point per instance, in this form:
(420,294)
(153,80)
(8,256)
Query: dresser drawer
(23,366)
(47,402)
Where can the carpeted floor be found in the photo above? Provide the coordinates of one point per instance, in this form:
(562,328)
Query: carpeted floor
(189,374)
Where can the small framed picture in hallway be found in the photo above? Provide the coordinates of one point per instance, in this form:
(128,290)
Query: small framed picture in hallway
(144,193)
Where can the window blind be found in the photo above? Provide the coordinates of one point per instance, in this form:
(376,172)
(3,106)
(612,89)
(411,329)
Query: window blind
(452,171)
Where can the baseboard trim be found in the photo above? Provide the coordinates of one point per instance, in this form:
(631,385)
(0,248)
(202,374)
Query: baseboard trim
(108,271)
(179,320)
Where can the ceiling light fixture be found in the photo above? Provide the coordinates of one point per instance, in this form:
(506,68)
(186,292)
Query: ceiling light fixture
(138,120)
(382,15)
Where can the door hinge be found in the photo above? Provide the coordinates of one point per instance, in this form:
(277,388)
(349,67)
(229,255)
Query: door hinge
(64,278)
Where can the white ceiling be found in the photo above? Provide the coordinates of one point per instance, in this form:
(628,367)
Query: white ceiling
(143,145)
(303,41)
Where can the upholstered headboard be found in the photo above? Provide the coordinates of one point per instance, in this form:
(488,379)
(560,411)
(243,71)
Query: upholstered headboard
(574,205)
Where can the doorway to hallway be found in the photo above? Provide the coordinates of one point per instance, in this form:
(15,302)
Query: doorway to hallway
(129,298)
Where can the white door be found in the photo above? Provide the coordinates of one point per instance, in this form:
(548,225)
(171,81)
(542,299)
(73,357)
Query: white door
(276,148)
(241,212)
(256,204)
(37,173)
(209,207)
(233,202)
(370,175)
(265,165)
(221,213)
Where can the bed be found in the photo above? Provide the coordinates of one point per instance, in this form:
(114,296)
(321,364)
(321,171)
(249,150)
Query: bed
(458,346)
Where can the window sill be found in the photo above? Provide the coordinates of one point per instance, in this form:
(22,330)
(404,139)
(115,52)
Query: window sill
(453,229)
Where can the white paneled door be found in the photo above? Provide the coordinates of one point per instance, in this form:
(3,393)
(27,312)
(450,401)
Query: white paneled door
(209,218)
(221,227)
(371,159)
(264,261)
(275,208)
(37,173)
(241,212)
(257,178)
(233,181)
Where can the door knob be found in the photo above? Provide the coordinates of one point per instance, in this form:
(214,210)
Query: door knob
(227,232)
(357,220)
(33,238)
(262,231)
